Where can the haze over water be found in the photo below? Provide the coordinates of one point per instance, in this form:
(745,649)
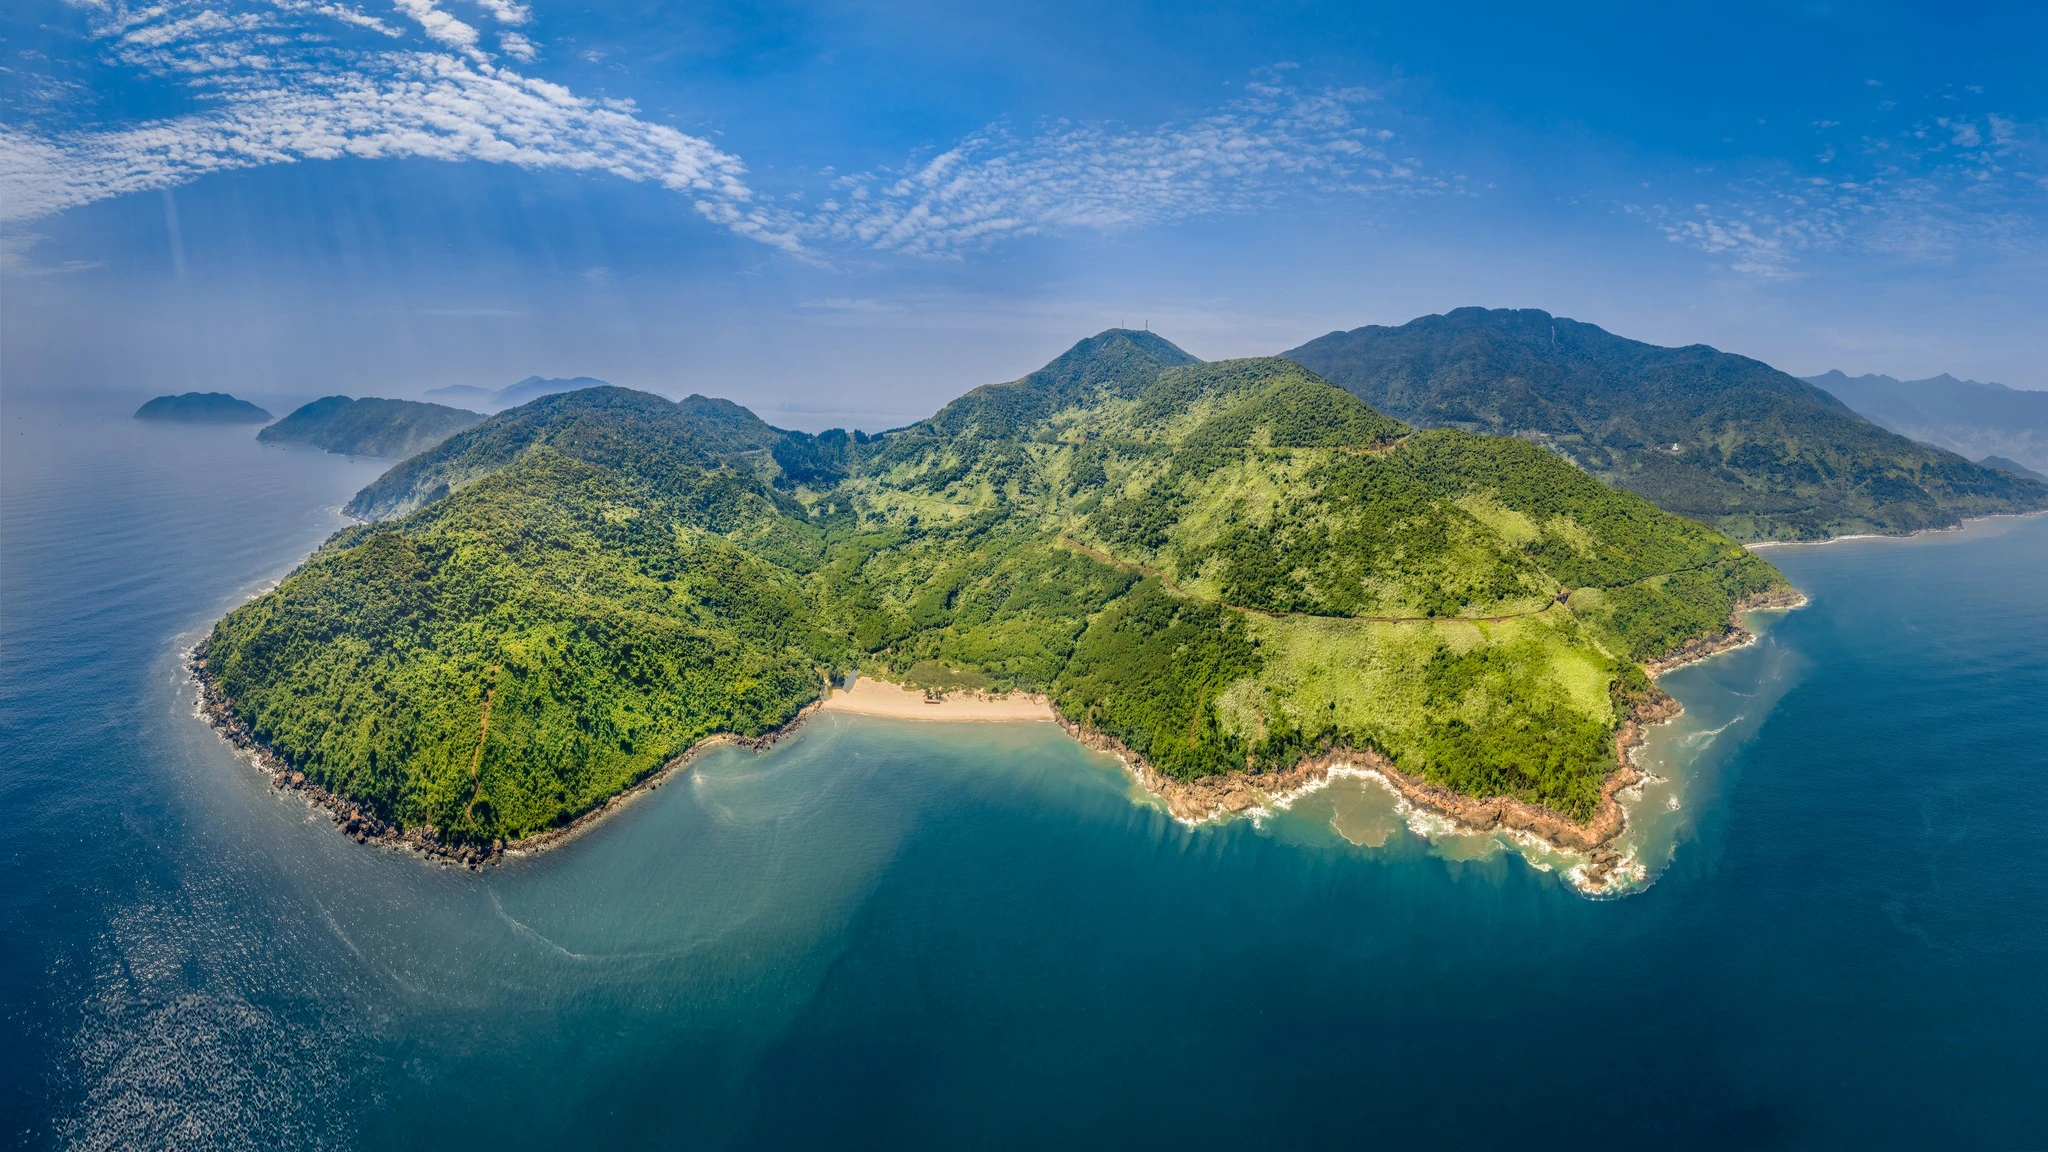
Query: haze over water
(886,932)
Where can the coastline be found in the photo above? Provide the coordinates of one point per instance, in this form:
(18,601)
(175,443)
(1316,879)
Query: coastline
(1232,794)
(872,697)
(1760,545)
(1784,599)
(366,827)
(1191,802)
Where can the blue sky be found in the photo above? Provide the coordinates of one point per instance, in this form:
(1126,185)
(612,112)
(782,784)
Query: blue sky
(851,213)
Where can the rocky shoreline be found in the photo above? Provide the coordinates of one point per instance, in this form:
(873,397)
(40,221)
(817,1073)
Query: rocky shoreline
(1191,801)
(365,827)
(1735,637)
(1243,793)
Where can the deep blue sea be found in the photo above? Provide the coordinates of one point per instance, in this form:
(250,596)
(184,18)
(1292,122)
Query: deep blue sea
(885,933)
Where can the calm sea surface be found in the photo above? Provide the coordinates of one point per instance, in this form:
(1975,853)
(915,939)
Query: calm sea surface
(891,933)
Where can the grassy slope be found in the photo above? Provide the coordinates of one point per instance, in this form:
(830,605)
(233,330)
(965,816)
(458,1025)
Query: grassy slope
(1759,454)
(1273,517)
(370,426)
(1186,555)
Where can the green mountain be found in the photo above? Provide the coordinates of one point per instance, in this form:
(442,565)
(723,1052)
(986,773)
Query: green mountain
(202,408)
(370,426)
(617,428)
(1228,567)
(1713,436)
(2012,467)
(1963,416)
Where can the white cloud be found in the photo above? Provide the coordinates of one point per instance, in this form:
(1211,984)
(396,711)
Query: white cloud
(518,47)
(1755,243)
(296,81)
(439,25)
(506,11)
(282,81)
(1272,142)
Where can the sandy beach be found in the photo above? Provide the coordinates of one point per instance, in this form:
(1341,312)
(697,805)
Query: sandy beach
(1761,545)
(870,697)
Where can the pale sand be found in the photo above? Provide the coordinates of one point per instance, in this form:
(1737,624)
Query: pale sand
(1967,521)
(879,698)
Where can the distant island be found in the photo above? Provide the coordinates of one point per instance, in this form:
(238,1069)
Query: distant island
(370,426)
(202,408)
(513,395)
(1235,575)
(1982,421)
(1717,437)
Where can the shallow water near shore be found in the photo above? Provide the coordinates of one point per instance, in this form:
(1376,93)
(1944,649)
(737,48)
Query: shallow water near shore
(886,932)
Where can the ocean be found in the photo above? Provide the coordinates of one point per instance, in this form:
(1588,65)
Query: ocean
(884,933)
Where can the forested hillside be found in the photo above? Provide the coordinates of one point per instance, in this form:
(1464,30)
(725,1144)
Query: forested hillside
(1709,435)
(1226,566)
(370,426)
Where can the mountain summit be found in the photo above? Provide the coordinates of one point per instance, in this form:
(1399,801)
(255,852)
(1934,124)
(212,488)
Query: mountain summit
(1118,362)
(1704,433)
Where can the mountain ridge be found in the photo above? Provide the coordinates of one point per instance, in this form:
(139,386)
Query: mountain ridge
(1964,416)
(370,426)
(514,394)
(1708,434)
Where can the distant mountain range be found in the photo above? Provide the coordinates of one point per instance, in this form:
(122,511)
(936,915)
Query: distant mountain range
(202,408)
(2012,466)
(1721,438)
(370,426)
(1977,420)
(512,395)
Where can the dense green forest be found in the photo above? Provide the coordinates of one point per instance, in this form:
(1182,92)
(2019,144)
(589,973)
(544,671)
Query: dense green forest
(370,426)
(1227,566)
(1721,438)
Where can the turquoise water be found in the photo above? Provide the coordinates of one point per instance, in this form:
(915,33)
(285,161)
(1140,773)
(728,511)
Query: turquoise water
(892,933)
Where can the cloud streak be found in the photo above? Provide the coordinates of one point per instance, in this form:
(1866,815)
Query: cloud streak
(284,81)
(292,81)
(1930,190)
(1274,141)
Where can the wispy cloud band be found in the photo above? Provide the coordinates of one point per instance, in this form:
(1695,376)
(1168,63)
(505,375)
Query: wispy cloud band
(1928,189)
(275,91)
(282,81)
(1272,142)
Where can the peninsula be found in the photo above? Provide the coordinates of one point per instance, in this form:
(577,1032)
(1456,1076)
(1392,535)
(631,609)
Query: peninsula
(1230,573)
